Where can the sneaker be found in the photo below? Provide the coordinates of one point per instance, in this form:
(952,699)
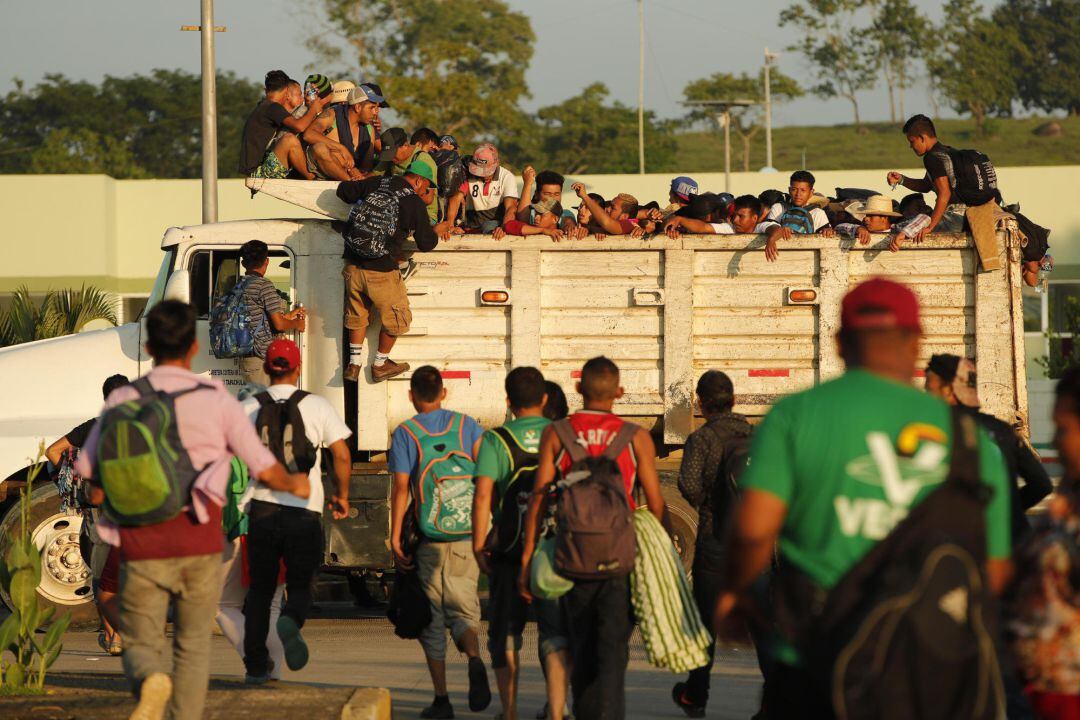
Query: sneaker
(387,370)
(479,690)
(678,694)
(439,709)
(408,269)
(154,694)
(352,372)
(296,650)
(266,677)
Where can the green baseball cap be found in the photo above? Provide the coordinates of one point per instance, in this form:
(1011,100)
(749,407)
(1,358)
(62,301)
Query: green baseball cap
(422,169)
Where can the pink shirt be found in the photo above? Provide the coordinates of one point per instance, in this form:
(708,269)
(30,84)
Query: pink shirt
(213,427)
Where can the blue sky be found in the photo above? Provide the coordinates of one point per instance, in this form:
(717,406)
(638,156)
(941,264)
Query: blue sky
(578,42)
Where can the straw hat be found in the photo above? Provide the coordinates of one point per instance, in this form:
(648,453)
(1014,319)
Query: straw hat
(341,91)
(874,205)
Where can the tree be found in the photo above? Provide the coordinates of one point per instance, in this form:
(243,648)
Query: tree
(899,34)
(587,134)
(974,62)
(457,65)
(136,126)
(842,53)
(59,312)
(1048,69)
(747,122)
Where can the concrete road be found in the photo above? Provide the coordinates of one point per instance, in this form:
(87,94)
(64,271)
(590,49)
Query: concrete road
(359,650)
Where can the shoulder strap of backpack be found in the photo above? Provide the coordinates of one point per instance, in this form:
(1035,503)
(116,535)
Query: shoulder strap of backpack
(565,432)
(621,441)
(344,130)
(964,464)
(143,387)
(264,399)
(296,397)
(519,456)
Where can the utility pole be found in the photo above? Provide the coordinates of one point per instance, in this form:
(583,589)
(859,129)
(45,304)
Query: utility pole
(721,110)
(206,30)
(769,58)
(641,88)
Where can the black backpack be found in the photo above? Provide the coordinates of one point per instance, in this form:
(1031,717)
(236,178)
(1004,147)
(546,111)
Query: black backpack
(373,221)
(594,539)
(451,171)
(909,631)
(972,176)
(725,488)
(769,198)
(409,610)
(512,504)
(281,428)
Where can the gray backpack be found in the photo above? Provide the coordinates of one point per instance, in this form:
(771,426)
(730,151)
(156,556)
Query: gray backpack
(595,532)
(373,220)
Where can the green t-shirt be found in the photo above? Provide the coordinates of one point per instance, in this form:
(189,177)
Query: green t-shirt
(424,157)
(493,460)
(850,458)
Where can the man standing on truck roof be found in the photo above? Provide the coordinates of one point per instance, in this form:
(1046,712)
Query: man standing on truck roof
(283,528)
(829,492)
(266,310)
(436,448)
(175,561)
(386,211)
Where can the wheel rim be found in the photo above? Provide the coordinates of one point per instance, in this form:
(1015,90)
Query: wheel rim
(65,578)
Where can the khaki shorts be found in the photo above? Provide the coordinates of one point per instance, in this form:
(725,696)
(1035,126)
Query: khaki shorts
(385,291)
(449,575)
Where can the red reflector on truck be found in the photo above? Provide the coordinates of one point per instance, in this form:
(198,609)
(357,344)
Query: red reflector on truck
(456,374)
(769,372)
(576,374)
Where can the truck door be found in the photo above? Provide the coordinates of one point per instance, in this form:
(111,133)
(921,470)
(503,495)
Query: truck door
(214,272)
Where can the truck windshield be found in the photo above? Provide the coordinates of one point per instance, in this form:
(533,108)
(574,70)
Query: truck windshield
(158,291)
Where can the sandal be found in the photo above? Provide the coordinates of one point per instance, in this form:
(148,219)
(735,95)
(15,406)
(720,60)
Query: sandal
(116,646)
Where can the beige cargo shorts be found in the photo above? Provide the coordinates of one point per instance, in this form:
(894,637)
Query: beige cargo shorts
(382,290)
(449,575)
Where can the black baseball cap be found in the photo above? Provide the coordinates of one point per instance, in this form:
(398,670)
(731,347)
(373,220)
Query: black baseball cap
(378,91)
(392,139)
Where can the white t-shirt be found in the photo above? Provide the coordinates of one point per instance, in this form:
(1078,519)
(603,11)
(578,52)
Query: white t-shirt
(483,195)
(726,228)
(816,214)
(323,428)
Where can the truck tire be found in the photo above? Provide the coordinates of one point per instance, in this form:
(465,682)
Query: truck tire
(683,524)
(65,578)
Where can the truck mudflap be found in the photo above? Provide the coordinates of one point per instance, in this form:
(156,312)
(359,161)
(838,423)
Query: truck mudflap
(362,540)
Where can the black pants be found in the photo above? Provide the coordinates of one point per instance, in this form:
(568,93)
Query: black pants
(598,617)
(707,585)
(277,533)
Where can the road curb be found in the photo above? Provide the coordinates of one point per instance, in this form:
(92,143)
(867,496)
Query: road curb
(368,704)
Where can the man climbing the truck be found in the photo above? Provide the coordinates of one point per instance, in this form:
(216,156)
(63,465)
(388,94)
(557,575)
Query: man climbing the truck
(386,210)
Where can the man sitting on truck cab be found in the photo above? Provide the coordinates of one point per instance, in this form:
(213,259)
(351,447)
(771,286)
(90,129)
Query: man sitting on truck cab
(377,282)
(340,145)
(260,155)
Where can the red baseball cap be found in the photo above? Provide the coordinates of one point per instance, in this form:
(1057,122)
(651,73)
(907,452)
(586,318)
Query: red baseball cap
(878,304)
(282,355)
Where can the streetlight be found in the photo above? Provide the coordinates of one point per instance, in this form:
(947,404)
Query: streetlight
(722,113)
(209,110)
(770,58)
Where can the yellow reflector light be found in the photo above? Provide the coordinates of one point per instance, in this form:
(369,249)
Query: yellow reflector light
(494,297)
(802,296)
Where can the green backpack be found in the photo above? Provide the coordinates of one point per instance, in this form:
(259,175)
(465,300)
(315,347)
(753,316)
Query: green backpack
(234,521)
(145,471)
(444,482)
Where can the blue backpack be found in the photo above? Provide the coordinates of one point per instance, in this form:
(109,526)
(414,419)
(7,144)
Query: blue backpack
(231,335)
(444,485)
(798,219)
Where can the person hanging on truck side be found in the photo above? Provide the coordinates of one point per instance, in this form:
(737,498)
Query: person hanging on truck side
(833,496)
(283,528)
(597,608)
(804,215)
(713,460)
(505,469)
(489,195)
(386,211)
(162,506)
(876,215)
(747,219)
(965,182)
(265,310)
(432,458)
(259,155)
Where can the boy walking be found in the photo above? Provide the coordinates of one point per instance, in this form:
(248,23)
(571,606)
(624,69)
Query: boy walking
(266,310)
(597,611)
(505,470)
(438,447)
(172,558)
(295,425)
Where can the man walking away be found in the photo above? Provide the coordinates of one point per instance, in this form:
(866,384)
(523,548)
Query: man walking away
(505,470)
(713,459)
(597,611)
(436,449)
(832,492)
(266,310)
(386,211)
(170,549)
(295,425)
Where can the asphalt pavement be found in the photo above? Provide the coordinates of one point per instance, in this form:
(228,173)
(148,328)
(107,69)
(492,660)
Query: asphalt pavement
(354,648)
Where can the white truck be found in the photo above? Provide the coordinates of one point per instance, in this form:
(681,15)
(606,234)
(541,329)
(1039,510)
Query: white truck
(664,309)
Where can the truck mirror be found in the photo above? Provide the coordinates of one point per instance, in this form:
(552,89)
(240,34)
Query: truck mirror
(179,286)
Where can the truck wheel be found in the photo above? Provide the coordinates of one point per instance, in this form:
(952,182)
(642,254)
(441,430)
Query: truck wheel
(65,578)
(683,521)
